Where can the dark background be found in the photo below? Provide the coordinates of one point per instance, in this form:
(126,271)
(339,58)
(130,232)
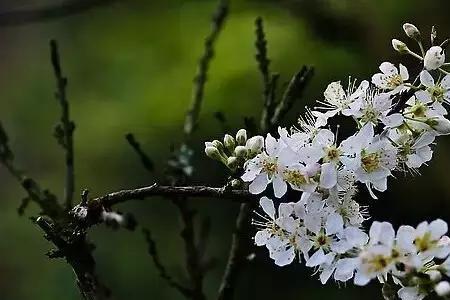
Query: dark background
(130,66)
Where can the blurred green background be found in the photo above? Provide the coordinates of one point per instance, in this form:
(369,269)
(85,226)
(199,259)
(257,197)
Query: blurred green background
(130,66)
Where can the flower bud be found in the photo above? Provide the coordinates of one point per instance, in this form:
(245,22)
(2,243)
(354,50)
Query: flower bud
(236,183)
(411,31)
(255,144)
(399,46)
(240,151)
(213,153)
(229,143)
(440,124)
(435,276)
(442,288)
(241,137)
(434,58)
(218,145)
(232,162)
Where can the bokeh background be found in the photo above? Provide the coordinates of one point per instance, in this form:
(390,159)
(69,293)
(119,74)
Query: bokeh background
(130,66)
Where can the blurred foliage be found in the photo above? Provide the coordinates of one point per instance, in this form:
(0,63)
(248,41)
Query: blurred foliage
(130,67)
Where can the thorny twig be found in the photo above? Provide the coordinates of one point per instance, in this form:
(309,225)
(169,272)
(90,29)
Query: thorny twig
(64,130)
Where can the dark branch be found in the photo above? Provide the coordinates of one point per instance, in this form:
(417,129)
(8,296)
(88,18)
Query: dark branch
(72,7)
(238,252)
(293,92)
(171,191)
(78,253)
(44,198)
(64,130)
(218,21)
(145,160)
(186,292)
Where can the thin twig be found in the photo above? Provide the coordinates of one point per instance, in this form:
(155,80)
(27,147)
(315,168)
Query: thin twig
(72,7)
(200,78)
(64,130)
(114,198)
(293,92)
(152,250)
(145,160)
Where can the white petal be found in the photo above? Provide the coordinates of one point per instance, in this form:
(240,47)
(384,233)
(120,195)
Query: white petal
(271,145)
(361,279)
(404,72)
(424,140)
(388,68)
(316,259)
(279,186)
(261,237)
(326,274)
(438,228)
(285,257)
(259,184)
(268,207)
(426,79)
(381,232)
(328,175)
(335,224)
(393,120)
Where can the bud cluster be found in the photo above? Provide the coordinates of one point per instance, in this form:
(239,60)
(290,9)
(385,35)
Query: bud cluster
(234,152)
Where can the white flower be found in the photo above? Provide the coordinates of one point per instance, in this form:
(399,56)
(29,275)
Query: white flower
(337,100)
(373,108)
(373,160)
(268,167)
(391,79)
(434,58)
(437,93)
(376,259)
(413,152)
(425,239)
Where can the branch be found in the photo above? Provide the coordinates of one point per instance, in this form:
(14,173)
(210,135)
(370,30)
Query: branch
(78,253)
(238,252)
(145,160)
(293,92)
(160,267)
(72,7)
(64,130)
(43,197)
(200,79)
(114,198)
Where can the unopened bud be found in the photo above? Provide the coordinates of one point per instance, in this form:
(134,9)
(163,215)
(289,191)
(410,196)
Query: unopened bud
(411,31)
(236,183)
(229,143)
(218,145)
(442,288)
(255,144)
(241,137)
(434,58)
(440,124)
(232,162)
(399,46)
(240,151)
(213,153)
(435,276)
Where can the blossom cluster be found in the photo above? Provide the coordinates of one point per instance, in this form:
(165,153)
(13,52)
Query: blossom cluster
(397,120)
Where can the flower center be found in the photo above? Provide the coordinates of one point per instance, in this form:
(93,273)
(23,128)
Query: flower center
(437,93)
(370,115)
(424,242)
(378,263)
(270,167)
(370,161)
(394,81)
(332,154)
(419,110)
(295,177)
